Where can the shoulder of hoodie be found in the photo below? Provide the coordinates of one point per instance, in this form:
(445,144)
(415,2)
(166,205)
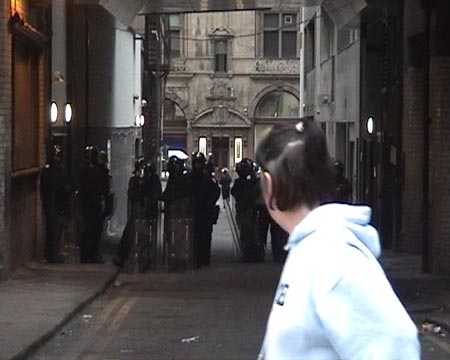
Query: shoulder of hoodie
(327,255)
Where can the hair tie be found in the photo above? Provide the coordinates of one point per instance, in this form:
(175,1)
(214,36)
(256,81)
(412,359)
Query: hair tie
(300,127)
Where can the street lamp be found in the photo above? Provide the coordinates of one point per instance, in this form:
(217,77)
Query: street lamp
(53,112)
(68,113)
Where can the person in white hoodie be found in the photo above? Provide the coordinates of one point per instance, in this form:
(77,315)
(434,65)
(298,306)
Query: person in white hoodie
(333,299)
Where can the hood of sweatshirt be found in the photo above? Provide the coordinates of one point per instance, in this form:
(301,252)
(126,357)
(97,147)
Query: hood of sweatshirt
(355,218)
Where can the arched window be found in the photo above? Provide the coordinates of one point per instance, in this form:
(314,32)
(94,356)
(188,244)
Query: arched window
(274,107)
(173,114)
(278,104)
(174,126)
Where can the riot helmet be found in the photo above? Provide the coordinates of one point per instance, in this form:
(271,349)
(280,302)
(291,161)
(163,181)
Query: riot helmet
(175,166)
(103,158)
(339,167)
(198,161)
(139,166)
(245,168)
(54,154)
(92,154)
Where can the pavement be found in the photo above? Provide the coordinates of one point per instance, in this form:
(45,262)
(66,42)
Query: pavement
(39,299)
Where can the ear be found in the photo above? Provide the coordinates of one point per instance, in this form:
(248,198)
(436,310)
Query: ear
(266,186)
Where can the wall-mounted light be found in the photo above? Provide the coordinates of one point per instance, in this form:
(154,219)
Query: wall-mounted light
(68,112)
(144,102)
(53,112)
(370,125)
(139,120)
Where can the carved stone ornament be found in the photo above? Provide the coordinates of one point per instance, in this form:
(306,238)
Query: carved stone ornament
(221,116)
(267,66)
(221,90)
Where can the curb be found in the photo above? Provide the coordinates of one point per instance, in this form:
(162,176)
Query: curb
(38,343)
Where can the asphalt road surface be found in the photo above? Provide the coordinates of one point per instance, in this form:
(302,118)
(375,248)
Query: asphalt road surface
(217,312)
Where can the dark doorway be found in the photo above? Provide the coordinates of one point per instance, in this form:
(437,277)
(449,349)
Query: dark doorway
(220,149)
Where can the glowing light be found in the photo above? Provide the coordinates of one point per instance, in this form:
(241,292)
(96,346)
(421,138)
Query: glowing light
(68,113)
(370,125)
(53,112)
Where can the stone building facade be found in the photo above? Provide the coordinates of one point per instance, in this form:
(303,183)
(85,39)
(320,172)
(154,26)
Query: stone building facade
(232,77)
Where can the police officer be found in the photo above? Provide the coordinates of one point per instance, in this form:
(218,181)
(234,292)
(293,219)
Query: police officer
(343,186)
(152,190)
(109,200)
(94,189)
(205,192)
(55,192)
(140,208)
(177,184)
(245,192)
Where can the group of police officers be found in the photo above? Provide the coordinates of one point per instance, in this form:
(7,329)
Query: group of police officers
(189,194)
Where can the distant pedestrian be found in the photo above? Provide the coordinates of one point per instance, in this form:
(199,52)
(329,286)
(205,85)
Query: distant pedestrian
(333,300)
(225,182)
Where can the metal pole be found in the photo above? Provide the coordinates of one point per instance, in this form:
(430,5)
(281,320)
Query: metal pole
(86,94)
(426,267)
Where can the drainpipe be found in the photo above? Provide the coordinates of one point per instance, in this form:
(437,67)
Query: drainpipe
(426,266)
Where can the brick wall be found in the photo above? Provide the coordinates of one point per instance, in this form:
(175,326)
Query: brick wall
(5,135)
(440,165)
(412,135)
(21,226)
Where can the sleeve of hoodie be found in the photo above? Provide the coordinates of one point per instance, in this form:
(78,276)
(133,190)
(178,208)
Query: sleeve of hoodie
(363,318)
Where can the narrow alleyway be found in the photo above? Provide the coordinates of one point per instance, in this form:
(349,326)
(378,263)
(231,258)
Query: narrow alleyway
(216,312)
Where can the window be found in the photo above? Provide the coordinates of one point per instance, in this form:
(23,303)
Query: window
(174,23)
(280,35)
(327,38)
(309,47)
(278,104)
(26,109)
(221,56)
(237,150)
(202,145)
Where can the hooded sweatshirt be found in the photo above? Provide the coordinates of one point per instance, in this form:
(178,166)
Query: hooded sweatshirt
(333,300)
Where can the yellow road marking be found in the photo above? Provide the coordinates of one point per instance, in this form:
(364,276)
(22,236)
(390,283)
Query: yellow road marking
(439,343)
(105,314)
(120,316)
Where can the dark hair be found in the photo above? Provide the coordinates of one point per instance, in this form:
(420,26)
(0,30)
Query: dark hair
(298,161)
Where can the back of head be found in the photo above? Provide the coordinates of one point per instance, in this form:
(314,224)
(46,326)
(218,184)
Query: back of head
(244,168)
(297,159)
(175,166)
(198,161)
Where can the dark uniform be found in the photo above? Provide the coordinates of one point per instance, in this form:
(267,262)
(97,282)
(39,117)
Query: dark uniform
(178,218)
(264,224)
(245,192)
(206,192)
(55,193)
(94,189)
(144,189)
(343,186)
